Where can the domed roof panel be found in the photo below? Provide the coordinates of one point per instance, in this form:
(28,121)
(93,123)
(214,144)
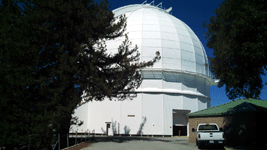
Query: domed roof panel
(198,51)
(150,35)
(186,46)
(134,28)
(169,36)
(135,35)
(150,21)
(153,29)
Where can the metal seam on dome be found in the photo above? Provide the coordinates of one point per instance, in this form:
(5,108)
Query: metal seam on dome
(194,51)
(206,59)
(141,37)
(178,41)
(161,49)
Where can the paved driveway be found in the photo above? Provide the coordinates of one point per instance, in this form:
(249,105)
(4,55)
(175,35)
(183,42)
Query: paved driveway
(141,143)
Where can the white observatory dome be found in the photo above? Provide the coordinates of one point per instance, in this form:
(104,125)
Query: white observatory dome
(154,29)
(179,83)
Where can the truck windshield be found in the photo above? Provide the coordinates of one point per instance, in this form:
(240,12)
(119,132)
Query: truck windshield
(207,127)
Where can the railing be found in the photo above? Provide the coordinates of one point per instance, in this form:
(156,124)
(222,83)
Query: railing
(78,138)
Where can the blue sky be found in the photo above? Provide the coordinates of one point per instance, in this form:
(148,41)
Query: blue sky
(193,13)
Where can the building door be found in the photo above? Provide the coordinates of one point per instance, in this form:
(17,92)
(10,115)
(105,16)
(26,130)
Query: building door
(180,122)
(107,127)
(181,129)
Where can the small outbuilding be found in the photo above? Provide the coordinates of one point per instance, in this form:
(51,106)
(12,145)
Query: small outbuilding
(243,121)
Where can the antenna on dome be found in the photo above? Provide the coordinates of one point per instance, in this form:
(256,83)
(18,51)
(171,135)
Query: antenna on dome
(160,4)
(144,2)
(152,2)
(169,9)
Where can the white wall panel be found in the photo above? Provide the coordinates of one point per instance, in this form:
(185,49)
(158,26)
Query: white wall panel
(99,114)
(153,111)
(171,101)
(173,77)
(82,113)
(150,83)
(172,85)
(188,83)
(190,103)
(131,107)
(202,103)
(98,123)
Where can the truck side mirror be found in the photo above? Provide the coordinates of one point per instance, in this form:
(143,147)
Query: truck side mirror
(193,130)
(221,129)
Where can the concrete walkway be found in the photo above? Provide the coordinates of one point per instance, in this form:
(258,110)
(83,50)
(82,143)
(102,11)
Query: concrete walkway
(141,143)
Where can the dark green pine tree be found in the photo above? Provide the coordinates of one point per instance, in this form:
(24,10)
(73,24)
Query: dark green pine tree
(52,52)
(17,61)
(238,36)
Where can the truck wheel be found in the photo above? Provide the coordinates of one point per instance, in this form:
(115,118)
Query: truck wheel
(197,143)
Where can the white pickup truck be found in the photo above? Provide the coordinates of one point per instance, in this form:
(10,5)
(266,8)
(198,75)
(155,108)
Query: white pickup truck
(209,134)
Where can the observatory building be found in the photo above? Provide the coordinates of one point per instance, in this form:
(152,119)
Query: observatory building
(179,83)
